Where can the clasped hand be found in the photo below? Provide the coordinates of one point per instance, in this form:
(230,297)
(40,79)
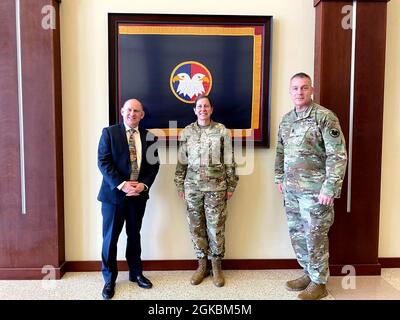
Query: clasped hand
(133,188)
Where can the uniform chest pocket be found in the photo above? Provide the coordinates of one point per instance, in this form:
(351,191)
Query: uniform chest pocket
(192,144)
(308,135)
(297,135)
(312,136)
(214,144)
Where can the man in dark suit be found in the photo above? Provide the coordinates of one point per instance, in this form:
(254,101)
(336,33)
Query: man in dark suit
(128,160)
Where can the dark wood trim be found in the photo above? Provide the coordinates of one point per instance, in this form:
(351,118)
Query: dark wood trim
(368,129)
(348,244)
(31,241)
(332,63)
(42,113)
(389,262)
(164,265)
(361,269)
(58,143)
(154,265)
(168,265)
(228,264)
(113,115)
(30,273)
(260,264)
(89,266)
(10,191)
(316,2)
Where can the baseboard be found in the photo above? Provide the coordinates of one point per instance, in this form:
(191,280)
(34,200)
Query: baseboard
(32,273)
(227,264)
(166,265)
(360,269)
(389,262)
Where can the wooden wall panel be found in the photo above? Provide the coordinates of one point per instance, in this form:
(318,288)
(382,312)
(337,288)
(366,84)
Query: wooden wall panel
(368,125)
(354,236)
(31,241)
(10,194)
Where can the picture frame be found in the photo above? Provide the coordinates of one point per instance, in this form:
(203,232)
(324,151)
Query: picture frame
(166,61)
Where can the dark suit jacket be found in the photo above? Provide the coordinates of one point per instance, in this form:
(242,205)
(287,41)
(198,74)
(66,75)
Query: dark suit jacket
(114,163)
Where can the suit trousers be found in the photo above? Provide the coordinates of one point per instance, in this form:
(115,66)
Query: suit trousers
(130,211)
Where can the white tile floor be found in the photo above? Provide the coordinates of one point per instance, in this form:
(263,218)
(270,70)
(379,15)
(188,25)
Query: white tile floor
(168,285)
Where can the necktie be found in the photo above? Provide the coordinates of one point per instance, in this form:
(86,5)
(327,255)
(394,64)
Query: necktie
(133,156)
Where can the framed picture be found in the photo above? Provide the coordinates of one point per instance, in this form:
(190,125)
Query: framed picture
(166,61)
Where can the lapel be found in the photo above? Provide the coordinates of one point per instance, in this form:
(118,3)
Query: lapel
(143,133)
(123,138)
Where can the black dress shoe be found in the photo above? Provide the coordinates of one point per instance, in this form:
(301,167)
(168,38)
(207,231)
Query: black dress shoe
(142,281)
(108,290)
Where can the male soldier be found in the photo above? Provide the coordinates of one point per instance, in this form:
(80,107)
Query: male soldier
(205,177)
(309,170)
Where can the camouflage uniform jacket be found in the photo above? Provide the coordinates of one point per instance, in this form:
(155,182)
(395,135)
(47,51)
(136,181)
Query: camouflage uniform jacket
(205,159)
(311,152)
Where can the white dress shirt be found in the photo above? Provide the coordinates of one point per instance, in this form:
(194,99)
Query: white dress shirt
(138,146)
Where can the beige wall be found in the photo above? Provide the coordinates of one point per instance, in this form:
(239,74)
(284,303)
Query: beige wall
(256,225)
(389,244)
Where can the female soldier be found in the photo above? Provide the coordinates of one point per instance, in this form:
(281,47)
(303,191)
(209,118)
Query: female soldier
(205,177)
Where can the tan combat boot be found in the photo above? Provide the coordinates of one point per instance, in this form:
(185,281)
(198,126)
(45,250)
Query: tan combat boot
(218,277)
(298,284)
(314,291)
(200,273)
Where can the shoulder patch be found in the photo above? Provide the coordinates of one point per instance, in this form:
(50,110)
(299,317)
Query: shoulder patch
(334,133)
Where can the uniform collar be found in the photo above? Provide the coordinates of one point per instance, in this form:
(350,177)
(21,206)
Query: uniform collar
(306,113)
(212,123)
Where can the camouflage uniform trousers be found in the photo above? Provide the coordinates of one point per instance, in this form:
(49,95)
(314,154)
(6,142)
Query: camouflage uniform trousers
(309,223)
(206,214)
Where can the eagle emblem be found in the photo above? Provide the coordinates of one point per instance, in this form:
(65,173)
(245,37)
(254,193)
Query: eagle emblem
(190,79)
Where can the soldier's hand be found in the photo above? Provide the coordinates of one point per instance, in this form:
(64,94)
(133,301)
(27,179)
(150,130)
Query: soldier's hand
(280,187)
(229,195)
(181,195)
(325,200)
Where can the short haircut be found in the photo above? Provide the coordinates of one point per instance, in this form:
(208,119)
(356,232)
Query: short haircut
(126,102)
(301,75)
(202,96)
